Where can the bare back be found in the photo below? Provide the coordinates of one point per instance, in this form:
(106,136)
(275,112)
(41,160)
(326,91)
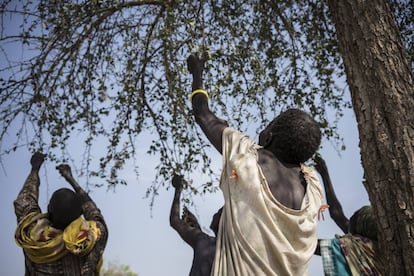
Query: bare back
(285,181)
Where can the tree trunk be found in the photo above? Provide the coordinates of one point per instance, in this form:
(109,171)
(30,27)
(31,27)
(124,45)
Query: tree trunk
(382,91)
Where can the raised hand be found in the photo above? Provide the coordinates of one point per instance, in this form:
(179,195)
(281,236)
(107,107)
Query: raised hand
(37,160)
(65,171)
(195,64)
(177,181)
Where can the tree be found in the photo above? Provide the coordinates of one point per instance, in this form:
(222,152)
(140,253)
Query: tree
(382,89)
(115,70)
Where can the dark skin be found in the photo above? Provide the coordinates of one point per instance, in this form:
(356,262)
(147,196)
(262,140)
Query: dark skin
(66,172)
(37,160)
(187,226)
(335,208)
(284,180)
(190,231)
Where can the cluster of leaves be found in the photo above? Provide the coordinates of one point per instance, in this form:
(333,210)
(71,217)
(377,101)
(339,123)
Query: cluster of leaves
(117,269)
(116,70)
(403,11)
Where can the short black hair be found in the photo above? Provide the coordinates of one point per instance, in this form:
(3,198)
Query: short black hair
(296,136)
(64,207)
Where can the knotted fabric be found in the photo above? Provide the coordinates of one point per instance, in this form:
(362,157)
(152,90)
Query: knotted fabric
(43,243)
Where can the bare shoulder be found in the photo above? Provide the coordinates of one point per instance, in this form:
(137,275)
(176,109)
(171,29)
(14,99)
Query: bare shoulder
(285,181)
(267,158)
(271,167)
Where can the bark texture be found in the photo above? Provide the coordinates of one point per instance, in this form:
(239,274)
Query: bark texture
(382,91)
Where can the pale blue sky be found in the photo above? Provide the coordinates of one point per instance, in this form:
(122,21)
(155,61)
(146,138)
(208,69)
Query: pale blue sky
(143,239)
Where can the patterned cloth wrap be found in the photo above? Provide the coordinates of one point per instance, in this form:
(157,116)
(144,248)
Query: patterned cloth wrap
(44,244)
(353,254)
(360,255)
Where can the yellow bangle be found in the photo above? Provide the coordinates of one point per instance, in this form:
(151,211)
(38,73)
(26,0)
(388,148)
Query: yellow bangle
(197,92)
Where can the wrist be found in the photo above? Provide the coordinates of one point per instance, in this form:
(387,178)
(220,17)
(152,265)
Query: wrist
(198,91)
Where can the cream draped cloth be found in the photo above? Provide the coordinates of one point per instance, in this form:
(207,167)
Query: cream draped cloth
(257,234)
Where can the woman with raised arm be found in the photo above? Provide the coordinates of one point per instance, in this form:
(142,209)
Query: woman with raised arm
(67,240)
(355,252)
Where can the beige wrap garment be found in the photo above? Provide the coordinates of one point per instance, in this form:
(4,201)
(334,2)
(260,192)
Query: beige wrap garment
(257,234)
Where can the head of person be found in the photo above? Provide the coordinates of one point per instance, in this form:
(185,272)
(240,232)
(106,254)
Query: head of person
(190,219)
(293,136)
(363,223)
(214,225)
(64,207)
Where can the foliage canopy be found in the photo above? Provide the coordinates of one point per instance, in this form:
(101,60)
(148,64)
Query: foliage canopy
(115,71)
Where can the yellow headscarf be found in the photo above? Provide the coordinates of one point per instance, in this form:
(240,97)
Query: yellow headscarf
(44,244)
(80,236)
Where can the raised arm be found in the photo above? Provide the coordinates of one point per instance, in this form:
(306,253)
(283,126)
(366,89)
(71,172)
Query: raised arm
(90,210)
(335,208)
(186,231)
(211,125)
(27,200)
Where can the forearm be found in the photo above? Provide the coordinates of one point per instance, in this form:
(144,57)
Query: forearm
(27,199)
(210,124)
(90,210)
(318,248)
(335,207)
(197,82)
(175,209)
